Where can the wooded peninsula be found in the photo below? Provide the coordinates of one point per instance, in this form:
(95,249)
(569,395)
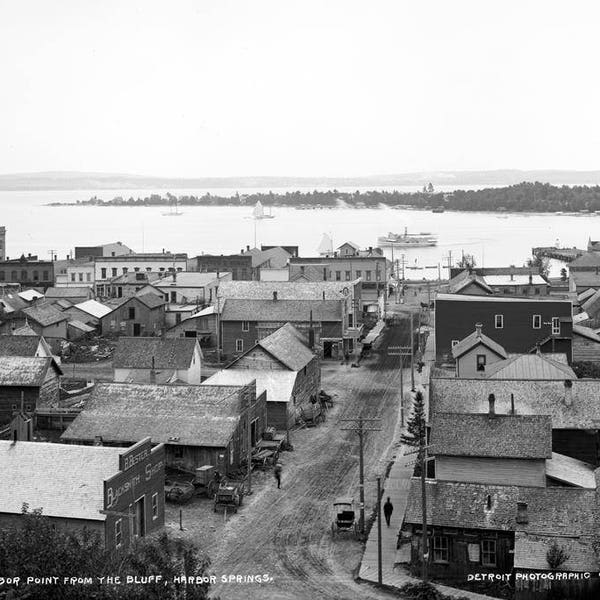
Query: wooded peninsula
(522,197)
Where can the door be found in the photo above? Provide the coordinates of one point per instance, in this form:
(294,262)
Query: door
(327,349)
(136,329)
(140,517)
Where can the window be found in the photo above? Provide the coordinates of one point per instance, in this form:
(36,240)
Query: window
(488,553)
(131,313)
(88,276)
(24,275)
(102,273)
(348,275)
(378,275)
(537,321)
(358,274)
(525,291)
(2,275)
(13,276)
(481,362)
(118,532)
(72,276)
(80,276)
(36,275)
(28,407)
(440,549)
(245,326)
(136,269)
(239,345)
(499,321)
(173,296)
(537,291)
(555,326)
(124,270)
(455,343)
(154,506)
(338,275)
(148,269)
(368,275)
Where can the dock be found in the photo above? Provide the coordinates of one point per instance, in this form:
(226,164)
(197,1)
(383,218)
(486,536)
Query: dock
(564,254)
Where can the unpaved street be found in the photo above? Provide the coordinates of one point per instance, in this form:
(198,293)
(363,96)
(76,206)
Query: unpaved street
(287,533)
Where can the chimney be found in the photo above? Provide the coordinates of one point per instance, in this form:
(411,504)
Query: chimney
(530,279)
(512,277)
(478,327)
(247,248)
(152,372)
(522,516)
(98,440)
(323,294)
(274,296)
(512,404)
(492,405)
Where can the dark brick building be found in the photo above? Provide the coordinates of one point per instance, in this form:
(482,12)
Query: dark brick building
(239,265)
(28,272)
(517,324)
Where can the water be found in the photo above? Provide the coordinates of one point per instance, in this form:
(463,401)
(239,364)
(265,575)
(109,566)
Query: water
(494,239)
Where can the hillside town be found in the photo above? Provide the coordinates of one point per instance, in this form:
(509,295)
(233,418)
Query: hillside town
(321,419)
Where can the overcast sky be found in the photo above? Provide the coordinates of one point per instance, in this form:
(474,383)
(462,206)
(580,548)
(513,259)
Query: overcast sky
(218,88)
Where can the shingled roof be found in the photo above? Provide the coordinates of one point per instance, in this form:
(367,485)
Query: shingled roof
(19,345)
(498,436)
(550,511)
(589,259)
(174,414)
(281,310)
(288,346)
(168,353)
(278,384)
(572,404)
(286,290)
(25,371)
(62,479)
(44,314)
(473,340)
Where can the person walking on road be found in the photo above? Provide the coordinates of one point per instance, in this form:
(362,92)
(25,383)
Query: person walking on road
(388,509)
(277,473)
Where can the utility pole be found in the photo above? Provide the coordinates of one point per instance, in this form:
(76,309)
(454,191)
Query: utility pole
(218,322)
(249,452)
(422,451)
(449,265)
(359,427)
(400,351)
(379,565)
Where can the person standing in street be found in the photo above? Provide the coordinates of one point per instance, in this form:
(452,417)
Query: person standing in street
(388,509)
(277,473)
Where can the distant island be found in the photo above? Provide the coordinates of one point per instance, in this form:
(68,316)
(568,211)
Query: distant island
(522,197)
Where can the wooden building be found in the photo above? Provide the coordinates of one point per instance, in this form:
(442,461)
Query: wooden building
(586,344)
(157,360)
(201,326)
(46,320)
(517,324)
(239,265)
(74,295)
(571,404)
(474,354)
(24,345)
(88,487)
(137,316)
(512,281)
(475,528)
(199,425)
(27,380)
(491,448)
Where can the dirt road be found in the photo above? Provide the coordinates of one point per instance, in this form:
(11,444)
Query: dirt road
(287,533)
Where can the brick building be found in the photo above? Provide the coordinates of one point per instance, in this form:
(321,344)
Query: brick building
(27,271)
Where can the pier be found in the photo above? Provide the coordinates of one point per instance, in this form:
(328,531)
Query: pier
(564,254)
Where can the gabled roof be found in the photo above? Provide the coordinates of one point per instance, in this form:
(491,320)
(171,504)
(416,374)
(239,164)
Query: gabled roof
(351,244)
(503,299)
(63,303)
(19,345)
(586,294)
(168,353)
(587,279)
(188,415)
(286,290)
(288,346)
(530,366)
(278,384)
(44,314)
(464,279)
(592,305)
(25,371)
(570,471)
(277,257)
(30,295)
(67,292)
(94,308)
(552,510)
(80,326)
(63,480)
(572,404)
(151,300)
(474,339)
(498,436)
(188,279)
(25,330)
(281,310)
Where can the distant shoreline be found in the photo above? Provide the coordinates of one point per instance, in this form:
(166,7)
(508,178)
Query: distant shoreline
(520,198)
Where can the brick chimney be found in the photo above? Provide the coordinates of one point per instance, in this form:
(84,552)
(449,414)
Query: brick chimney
(492,405)
(478,327)
(530,279)
(522,516)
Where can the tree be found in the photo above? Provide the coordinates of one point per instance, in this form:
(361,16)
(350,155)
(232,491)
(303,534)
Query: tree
(467,261)
(430,188)
(556,556)
(539,262)
(563,274)
(416,425)
(36,548)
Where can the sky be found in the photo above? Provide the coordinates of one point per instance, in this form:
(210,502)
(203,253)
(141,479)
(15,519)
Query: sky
(205,88)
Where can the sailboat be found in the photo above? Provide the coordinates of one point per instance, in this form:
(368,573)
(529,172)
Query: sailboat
(259,211)
(174,210)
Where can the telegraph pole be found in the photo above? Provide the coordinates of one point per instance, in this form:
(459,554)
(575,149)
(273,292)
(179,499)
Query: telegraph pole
(412,353)
(379,565)
(422,451)
(359,427)
(400,351)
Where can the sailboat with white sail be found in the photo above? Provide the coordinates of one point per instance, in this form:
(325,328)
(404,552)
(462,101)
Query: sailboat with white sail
(174,209)
(259,211)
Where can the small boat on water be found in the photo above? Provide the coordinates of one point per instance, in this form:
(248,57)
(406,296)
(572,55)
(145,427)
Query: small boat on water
(174,210)
(259,211)
(407,240)
(438,209)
